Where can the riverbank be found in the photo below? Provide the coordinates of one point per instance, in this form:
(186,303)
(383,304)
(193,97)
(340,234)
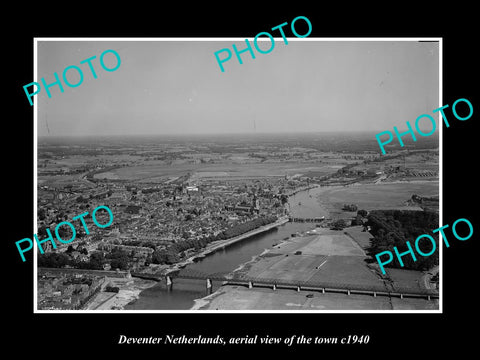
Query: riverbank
(320,255)
(129,292)
(222,244)
(369,196)
(186,291)
(302,188)
(212,248)
(231,241)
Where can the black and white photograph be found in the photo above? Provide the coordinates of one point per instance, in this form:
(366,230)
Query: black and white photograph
(262,187)
(220,181)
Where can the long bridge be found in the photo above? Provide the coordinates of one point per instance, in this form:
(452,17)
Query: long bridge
(299,219)
(298,285)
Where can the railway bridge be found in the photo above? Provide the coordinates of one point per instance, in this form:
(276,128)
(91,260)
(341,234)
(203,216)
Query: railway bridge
(299,219)
(298,285)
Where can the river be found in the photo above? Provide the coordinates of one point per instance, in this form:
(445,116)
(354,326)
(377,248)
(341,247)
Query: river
(302,204)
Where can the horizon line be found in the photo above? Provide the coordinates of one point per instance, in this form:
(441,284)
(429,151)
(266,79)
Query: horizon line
(214,134)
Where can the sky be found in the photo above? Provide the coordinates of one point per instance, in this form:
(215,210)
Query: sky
(177,87)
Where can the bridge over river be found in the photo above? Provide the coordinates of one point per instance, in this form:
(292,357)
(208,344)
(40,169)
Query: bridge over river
(386,289)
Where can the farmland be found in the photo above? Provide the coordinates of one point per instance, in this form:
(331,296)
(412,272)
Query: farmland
(162,172)
(375,196)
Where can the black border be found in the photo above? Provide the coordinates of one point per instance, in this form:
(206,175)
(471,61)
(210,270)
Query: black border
(407,334)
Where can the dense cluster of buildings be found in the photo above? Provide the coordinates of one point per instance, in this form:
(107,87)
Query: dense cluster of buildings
(60,291)
(147,217)
(71,289)
(159,214)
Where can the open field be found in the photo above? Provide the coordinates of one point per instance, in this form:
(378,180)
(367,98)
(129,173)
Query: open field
(321,256)
(362,238)
(141,172)
(64,181)
(242,298)
(326,256)
(375,196)
(158,171)
(325,242)
(404,278)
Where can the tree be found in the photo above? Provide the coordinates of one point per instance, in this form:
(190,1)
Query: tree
(132,209)
(41,214)
(119,263)
(96,260)
(150,244)
(54,260)
(148,260)
(357,221)
(339,224)
(349,207)
(159,257)
(393,228)
(362,213)
(172,258)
